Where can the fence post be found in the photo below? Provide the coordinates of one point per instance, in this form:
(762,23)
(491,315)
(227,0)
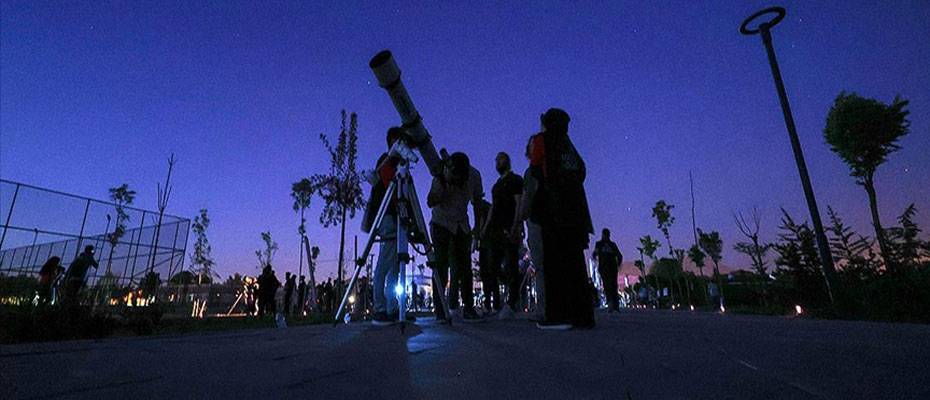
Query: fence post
(132,273)
(9,215)
(77,250)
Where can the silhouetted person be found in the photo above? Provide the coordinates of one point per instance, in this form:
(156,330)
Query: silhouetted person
(77,274)
(503,231)
(47,276)
(289,286)
(609,260)
(384,298)
(490,273)
(268,285)
(449,196)
(251,295)
(532,215)
(565,221)
(301,295)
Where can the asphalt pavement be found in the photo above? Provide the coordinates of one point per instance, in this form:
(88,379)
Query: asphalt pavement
(635,354)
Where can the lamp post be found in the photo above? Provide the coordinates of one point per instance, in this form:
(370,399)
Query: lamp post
(764,29)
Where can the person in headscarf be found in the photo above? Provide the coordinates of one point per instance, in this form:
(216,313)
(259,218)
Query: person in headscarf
(562,207)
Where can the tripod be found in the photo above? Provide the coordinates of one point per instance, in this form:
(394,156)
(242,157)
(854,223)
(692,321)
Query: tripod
(411,229)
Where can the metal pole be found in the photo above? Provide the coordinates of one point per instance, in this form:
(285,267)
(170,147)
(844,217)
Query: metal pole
(9,215)
(826,259)
(132,271)
(80,241)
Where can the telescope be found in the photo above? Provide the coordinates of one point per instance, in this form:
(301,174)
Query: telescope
(388,75)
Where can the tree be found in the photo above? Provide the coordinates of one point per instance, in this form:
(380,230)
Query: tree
(712,245)
(341,188)
(648,247)
(754,248)
(122,197)
(201,260)
(662,212)
(799,261)
(697,257)
(163,196)
(852,254)
(906,247)
(863,132)
(234,280)
(267,254)
(302,193)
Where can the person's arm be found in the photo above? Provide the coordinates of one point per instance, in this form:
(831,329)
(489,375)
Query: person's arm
(477,192)
(436,193)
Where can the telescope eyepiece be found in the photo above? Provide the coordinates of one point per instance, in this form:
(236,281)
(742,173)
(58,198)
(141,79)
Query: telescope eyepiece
(380,59)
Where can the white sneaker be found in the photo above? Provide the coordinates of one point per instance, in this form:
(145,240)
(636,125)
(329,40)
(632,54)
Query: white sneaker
(505,314)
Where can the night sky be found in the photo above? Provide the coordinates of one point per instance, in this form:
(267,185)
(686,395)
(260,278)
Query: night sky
(94,95)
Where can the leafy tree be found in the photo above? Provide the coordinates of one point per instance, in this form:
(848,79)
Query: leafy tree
(150,283)
(851,252)
(697,257)
(302,193)
(863,132)
(122,197)
(904,241)
(798,260)
(662,212)
(754,248)
(341,188)
(667,268)
(266,255)
(648,247)
(712,245)
(183,278)
(234,280)
(201,260)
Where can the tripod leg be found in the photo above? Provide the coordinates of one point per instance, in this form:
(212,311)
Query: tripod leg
(376,226)
(430,254)
(403,257)
(345,296)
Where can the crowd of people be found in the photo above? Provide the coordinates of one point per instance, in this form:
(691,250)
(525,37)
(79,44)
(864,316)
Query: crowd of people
(546,206)
(543,212)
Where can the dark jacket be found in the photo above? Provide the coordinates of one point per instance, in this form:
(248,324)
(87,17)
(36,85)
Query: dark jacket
(563,202)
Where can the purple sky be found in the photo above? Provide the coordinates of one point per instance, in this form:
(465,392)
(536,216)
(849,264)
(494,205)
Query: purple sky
(97,95)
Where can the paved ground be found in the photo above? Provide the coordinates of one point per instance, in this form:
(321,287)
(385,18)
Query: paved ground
(633,355)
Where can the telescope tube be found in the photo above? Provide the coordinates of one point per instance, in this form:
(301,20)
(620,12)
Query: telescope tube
(388,75)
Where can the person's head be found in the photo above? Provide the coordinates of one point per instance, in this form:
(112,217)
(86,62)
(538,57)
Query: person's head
(554,120)
(287,275)
(52,262)
(302,278)
(458,169)
(605,233)
(393,134)
(529,148)
(89,250)
(502,163)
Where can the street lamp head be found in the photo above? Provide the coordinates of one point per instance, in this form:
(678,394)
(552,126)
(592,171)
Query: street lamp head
(764,26)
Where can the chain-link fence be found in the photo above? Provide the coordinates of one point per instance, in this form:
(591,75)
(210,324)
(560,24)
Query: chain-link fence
(41,223)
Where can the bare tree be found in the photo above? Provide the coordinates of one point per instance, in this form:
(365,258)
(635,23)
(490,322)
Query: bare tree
(266,255)
(163,196)
(754,248)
